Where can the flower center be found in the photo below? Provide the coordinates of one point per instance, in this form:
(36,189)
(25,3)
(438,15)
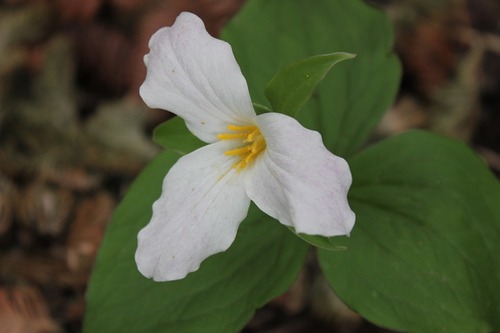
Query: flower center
(253,144)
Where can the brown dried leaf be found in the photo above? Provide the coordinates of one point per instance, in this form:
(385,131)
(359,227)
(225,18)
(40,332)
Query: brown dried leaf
(430,48)
(87,230)
(23,310)
(72,178)
(129,5)
(71,10)
(428,55)
(19,28)
(44,208)
(484,14)
(455,112)
(103,53)
(7,191)
(41,268)
(407,113)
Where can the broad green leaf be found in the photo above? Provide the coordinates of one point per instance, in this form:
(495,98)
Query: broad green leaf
(174,135)
(423,255)
(220,297)
(326,243)
(350,101)
(259,108)
(295,83)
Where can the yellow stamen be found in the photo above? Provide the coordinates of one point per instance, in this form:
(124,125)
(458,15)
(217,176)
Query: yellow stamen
(253,144)
(251,136)
(239,151)
(237,128)
(229,136)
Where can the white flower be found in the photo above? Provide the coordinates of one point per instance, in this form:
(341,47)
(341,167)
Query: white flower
(270,158)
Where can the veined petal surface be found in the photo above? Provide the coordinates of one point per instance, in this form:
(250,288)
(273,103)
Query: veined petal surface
(298,181)
(203,201)
(196,76)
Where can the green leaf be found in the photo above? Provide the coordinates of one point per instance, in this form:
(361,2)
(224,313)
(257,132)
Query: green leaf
(423,255)
(220,297)
(349,102)
(174,135)
(259,108)
(321,242)
(295,83)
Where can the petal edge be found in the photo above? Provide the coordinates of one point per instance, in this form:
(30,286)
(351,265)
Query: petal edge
(197,215)
(298,181)
(196,76)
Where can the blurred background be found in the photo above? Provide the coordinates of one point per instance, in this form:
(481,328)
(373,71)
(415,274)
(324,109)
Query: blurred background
(74,134)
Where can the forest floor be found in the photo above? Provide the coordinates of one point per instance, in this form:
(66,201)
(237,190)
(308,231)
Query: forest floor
(69,78)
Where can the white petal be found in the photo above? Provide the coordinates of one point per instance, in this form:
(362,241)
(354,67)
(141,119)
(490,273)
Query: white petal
(298,181)
(198,214)
(196,76)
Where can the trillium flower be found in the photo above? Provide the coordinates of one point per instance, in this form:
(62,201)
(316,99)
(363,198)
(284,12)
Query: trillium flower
(270,159)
